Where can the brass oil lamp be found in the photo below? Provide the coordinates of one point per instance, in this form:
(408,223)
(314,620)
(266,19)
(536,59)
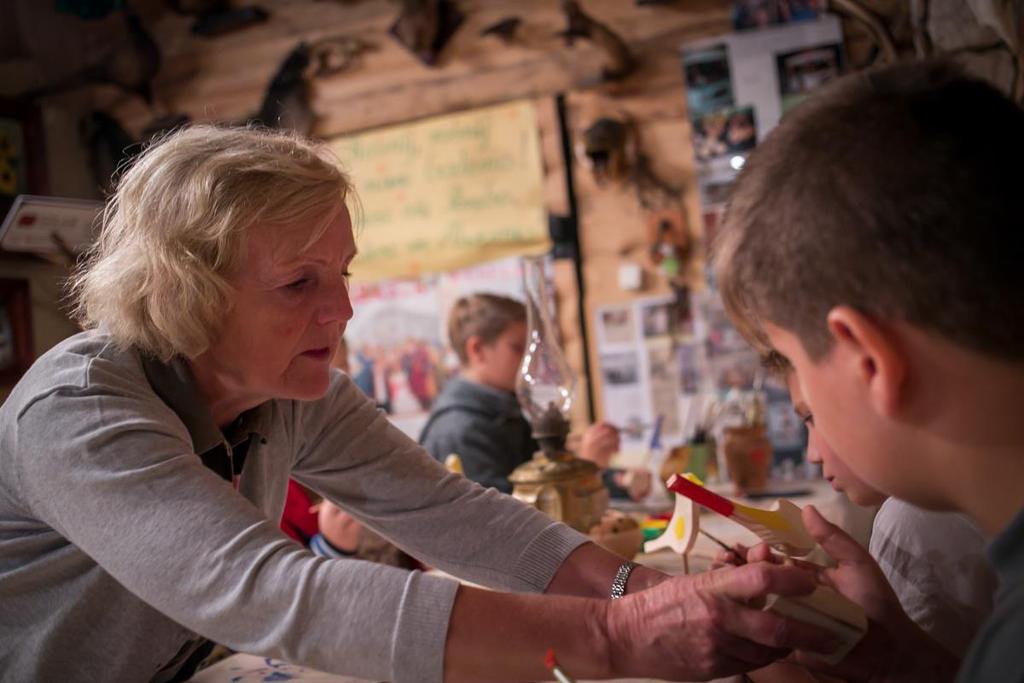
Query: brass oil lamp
(555,481)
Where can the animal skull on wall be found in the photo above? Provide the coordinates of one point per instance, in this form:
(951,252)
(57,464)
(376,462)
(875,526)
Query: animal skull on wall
(604,149)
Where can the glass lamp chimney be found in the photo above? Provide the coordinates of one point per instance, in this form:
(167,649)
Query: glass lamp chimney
(545,385)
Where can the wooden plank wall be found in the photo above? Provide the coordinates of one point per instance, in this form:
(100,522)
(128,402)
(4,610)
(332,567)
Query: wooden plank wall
(223,79)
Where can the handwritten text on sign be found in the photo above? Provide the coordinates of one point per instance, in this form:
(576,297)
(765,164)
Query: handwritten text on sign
(447,192)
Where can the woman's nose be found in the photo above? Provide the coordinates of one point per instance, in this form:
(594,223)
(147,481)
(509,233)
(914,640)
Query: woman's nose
(337,305)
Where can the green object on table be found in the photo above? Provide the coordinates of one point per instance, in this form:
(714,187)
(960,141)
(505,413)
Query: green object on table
(700,453)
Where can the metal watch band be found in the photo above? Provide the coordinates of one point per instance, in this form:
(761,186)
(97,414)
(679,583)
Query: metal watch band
(621,577)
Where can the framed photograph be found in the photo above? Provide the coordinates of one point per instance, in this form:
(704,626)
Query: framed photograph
(752,14)
(768,70)
(616,325)
(708,79)
(620,368)
(16,350)
(47,225)
(725,132)
(801,71)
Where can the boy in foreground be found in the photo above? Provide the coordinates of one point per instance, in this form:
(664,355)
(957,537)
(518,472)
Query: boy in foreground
(896,193)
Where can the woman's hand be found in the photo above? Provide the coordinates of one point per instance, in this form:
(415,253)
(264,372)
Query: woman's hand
(699,627)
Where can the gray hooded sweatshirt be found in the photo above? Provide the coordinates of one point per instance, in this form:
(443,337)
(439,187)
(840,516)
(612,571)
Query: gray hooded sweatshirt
(484,427)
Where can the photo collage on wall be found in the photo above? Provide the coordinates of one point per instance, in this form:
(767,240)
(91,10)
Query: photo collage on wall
(757,14)
(738,87)
(646,352)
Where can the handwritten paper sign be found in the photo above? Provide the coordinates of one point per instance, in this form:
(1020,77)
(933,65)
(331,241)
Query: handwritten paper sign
(447,192)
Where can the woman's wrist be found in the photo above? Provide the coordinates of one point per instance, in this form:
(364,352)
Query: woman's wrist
(617,638)
(642,578)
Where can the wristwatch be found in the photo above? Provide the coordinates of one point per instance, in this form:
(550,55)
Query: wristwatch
(621,577)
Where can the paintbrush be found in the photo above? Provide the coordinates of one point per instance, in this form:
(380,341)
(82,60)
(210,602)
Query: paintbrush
(551,663)
(739,560)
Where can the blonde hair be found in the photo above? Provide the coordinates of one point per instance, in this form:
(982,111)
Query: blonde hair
(175,228)
(483,315)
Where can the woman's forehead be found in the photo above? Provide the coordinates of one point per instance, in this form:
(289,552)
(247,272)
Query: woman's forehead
(288,246)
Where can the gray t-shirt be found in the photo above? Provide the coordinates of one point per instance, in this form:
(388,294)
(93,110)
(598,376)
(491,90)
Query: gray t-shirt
(995,655)
(935,561)
(118,546)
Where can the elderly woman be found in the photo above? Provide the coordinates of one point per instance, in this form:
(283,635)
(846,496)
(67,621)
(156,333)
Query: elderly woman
(143,468)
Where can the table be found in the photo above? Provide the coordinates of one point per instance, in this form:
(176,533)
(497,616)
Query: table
(243,668)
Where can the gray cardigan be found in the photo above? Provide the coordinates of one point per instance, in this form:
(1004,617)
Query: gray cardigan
(117,546)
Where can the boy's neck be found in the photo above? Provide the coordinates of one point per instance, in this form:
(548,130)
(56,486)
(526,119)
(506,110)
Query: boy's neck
(478,377)
(987,485)
(971,410)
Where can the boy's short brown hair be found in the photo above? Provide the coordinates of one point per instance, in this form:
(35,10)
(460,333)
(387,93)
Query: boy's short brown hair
(895,191)
(483,315)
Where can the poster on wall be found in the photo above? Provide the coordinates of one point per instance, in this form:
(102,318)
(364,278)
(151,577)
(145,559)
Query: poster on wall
(448,192)
(397,339)
(395,347)
(623,392)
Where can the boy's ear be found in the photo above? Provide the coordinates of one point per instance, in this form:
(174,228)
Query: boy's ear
(475,348)
(875,353)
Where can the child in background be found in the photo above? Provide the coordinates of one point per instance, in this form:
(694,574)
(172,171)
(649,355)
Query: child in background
(477,416)
(873,243)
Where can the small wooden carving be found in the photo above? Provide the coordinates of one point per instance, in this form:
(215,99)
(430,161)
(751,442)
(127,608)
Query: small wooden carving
(424,26)
(681,533)
(621,62)
(286,102)
(505,29)
(604,144)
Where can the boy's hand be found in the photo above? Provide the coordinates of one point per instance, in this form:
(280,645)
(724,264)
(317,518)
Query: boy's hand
(733,558)
(857,575)
(882,654)
(600,442)
(636,481)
